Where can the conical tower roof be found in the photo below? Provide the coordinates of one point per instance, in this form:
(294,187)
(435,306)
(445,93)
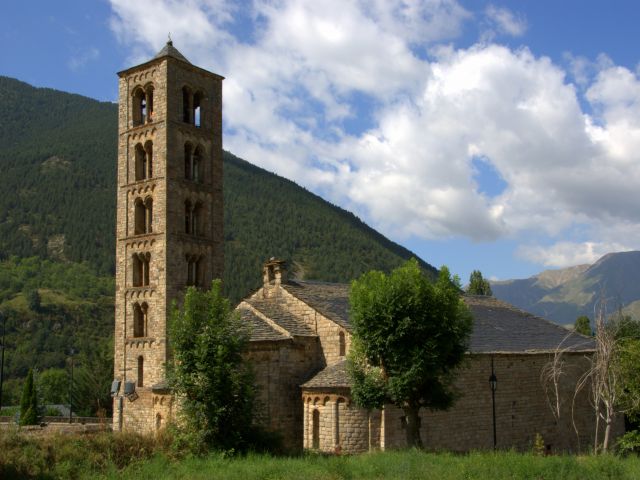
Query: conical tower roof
(170,51)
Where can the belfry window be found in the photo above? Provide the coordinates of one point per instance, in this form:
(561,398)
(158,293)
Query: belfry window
(144,161)
(143,217)
(139,107)
(197,111)
(186,105)
(140,371)
(194,270)
(148,114)
(141,269)
(342,347)
(193,163)
(193,218)
(140,320)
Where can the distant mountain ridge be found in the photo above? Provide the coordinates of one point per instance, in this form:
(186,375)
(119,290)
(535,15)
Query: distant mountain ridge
(563,295)
(58,154)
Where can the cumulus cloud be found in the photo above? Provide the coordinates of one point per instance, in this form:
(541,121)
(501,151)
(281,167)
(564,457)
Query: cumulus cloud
(303,73)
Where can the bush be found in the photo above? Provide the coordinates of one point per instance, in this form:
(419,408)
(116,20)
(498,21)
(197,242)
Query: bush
(629,443)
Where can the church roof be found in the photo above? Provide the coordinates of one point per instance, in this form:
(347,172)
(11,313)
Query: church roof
(329,299)
(260,330)
(333,376)
(276,310)
(170,51)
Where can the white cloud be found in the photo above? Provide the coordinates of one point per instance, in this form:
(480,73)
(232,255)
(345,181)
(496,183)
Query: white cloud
(566,254)
(505,21)
(298,78)
(80,59)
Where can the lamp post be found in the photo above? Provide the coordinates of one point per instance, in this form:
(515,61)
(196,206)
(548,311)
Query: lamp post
(71,353)
(493,382)
(4,320)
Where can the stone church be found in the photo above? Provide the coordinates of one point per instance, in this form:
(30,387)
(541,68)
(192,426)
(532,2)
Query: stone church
(169,236)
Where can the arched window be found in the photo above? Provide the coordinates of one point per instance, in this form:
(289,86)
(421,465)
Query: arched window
(141,162)
(139,217)
(158,421)
(186,105)
(141,269)
(148,217)
(149,106)
(194,270)
(197,111)
(188,216)
(148,150)
(342,344)
(140,320)
(188,161)
(198,166)
(196,220)
(139,104)
(315,443)
(140,371)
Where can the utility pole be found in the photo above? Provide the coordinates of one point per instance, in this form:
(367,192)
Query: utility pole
(71,353)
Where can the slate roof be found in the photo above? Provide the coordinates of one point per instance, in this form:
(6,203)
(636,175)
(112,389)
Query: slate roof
(276,311)
(502,328)
(330,299)
(333,376)
(170,51)
(260,330)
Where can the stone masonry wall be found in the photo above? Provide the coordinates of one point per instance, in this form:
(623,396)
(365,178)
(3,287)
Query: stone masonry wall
(522,409)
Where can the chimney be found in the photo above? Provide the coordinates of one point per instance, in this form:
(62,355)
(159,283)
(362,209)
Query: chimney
(274,272)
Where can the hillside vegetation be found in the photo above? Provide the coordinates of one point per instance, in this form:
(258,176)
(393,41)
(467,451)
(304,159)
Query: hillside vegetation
(57,226)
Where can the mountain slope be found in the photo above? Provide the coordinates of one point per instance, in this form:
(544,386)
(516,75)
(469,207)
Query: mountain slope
(563,295)
(57,199)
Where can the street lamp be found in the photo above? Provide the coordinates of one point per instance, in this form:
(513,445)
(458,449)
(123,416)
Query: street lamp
(493,383)
(71,353)
(4,320)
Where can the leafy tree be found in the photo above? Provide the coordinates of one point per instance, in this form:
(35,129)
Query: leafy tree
(33,300)
(478,285)
(53,385)
(583,325)
(29,402)
(409,336)
(208,373)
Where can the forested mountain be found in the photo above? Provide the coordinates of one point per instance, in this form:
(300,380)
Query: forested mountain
(57,199)
(563,295)
(57,224)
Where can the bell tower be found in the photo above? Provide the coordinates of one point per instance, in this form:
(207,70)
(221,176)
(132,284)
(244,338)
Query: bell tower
(169,220)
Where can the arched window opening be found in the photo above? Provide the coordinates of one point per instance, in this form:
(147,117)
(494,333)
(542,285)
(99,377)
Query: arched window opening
(141,269)
(197,111)
(188,216)
(158,421)
(139,107)
(197,169)
(148,217)
(140,320)
(194,271)
(141,162)
(315,443)
(186,105)
(139,218)
(140,371)
(188,161)
(196,224)
(342,344)
(148,167)
(149,106)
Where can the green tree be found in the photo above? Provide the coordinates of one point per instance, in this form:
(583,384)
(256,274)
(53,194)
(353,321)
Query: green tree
(583,325)
(409,337)
(33,300)
(208,373)
(53,385)
(478,285)
(29,402)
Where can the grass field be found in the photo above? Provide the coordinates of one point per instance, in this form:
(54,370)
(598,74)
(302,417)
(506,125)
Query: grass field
(112,456)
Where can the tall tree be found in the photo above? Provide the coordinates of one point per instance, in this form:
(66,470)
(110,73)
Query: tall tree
(208,373)
(478,285)
(583,325)
(29,402)
(409,337)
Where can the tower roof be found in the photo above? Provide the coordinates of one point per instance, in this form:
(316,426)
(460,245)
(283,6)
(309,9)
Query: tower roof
(170,51)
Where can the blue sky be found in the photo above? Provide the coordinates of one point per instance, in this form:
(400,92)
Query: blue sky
(503,136)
